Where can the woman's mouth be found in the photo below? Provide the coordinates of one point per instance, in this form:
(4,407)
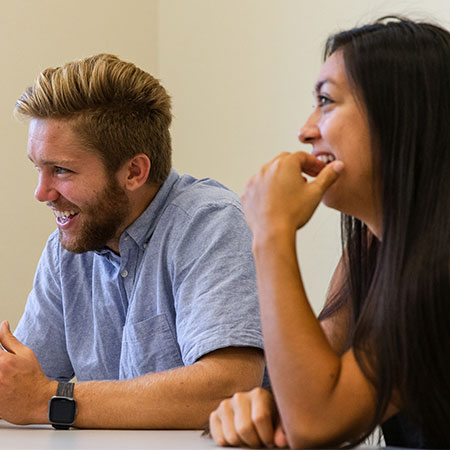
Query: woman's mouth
(326,158)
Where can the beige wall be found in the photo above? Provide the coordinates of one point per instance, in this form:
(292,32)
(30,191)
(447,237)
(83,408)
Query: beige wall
(240,72)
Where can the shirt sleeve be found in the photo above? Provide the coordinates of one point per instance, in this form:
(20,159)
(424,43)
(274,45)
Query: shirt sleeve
(42,325)
(214,281)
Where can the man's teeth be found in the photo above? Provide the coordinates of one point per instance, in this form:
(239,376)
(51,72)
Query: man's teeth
(61,214)
(326,158)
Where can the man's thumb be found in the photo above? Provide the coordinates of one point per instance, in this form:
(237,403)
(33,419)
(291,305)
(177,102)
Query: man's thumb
(7,339)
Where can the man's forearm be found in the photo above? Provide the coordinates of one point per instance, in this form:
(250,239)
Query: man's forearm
(180,398)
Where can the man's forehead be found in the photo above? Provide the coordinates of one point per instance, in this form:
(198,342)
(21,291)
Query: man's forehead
(41,129)
(54,141)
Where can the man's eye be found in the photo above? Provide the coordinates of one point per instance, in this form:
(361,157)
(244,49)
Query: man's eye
(61,170)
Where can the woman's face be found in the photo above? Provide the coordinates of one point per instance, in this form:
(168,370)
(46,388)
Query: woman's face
(338,129)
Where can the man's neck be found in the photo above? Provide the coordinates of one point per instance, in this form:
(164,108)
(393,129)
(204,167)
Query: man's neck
(139,202)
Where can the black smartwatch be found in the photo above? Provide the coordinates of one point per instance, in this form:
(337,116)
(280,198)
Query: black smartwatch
(62,408)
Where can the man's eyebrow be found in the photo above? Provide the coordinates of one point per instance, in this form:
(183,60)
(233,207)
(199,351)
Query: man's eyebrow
(61,162)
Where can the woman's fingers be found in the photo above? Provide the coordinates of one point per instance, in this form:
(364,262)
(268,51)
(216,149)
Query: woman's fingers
(263,410)
(228,425)
(329,175)
(279,437)
(280,197)
(309,164)
(245,419)
(215,428)
(231,425)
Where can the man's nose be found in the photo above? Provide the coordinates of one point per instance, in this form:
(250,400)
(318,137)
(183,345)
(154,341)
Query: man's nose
(45,191)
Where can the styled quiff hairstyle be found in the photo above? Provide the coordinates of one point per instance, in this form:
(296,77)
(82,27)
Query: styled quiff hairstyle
(117,110)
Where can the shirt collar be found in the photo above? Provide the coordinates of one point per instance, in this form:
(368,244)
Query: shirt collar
(142,228)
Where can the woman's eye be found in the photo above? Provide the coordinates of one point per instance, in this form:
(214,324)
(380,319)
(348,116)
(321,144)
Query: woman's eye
(322,100)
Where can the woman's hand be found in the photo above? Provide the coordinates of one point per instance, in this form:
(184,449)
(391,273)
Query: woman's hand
(279,197)
(247,419)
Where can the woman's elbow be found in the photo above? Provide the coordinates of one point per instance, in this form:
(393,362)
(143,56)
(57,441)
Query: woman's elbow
(312,433)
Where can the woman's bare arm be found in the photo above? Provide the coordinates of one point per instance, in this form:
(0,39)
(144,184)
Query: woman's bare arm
(337,326)
(323,397)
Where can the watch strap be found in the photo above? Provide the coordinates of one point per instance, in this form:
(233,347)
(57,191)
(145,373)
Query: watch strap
(65,389)
(60,427)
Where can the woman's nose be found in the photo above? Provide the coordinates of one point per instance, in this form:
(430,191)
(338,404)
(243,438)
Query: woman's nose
(310,130)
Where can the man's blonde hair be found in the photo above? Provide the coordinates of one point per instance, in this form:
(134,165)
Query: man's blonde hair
(117,110)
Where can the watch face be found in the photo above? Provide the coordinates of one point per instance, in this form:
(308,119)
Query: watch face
(62,410)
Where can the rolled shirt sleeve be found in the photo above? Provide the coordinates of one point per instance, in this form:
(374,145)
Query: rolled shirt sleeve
(214,282)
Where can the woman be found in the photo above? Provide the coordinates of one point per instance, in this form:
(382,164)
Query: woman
(381,155)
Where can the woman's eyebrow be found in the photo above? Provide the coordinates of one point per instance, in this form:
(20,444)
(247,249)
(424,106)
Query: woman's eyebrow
(320,83)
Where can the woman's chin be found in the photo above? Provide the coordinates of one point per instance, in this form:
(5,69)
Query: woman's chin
(330,200)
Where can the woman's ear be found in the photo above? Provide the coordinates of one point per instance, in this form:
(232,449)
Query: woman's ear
(137,171)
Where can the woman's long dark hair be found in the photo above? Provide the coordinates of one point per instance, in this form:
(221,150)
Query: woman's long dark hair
(400,286)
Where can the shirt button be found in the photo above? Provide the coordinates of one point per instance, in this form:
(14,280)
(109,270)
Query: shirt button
(124,274)
(145,245)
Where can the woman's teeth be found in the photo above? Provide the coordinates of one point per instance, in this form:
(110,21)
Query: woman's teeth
(326,158)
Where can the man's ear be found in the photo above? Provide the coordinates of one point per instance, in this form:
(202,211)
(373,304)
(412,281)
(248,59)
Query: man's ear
(137,170)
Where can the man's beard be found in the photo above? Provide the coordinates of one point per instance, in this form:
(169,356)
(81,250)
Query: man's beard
(101,220)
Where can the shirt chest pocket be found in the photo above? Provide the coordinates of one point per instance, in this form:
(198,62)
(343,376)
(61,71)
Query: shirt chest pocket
(148,346)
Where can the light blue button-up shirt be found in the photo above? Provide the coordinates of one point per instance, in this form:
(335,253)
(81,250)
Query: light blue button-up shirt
(183,286)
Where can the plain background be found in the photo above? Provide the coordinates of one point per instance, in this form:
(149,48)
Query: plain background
(241,74)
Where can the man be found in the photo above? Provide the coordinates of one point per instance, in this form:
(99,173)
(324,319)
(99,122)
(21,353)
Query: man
(146,292)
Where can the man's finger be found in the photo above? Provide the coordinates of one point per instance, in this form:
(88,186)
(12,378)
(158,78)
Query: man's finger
(7,339)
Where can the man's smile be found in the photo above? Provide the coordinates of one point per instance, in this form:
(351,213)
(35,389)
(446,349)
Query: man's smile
(63,217)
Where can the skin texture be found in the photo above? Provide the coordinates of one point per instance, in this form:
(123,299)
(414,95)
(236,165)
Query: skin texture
(326,399)
(338,126)
(72,177)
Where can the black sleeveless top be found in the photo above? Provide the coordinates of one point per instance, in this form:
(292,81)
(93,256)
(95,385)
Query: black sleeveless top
(399,431)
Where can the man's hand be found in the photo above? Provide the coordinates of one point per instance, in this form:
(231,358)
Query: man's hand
(24,389)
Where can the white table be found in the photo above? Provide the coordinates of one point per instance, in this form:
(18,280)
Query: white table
(43,437)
